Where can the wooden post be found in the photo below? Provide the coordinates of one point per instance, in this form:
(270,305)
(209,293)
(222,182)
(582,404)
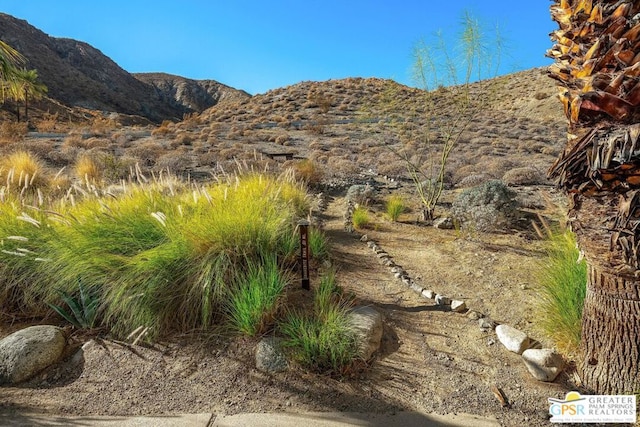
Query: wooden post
(304,253)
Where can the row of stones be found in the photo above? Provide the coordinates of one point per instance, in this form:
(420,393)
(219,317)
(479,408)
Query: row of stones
(543,364)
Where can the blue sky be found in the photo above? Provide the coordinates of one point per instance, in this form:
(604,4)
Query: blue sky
(261,45)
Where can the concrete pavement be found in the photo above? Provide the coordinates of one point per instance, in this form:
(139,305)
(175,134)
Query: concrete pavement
(306,419)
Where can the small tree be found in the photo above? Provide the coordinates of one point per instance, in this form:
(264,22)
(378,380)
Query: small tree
(28,86)
(431,134)
(9,60)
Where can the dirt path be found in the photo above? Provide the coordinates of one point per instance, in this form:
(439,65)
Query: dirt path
(431,360)
(435,360)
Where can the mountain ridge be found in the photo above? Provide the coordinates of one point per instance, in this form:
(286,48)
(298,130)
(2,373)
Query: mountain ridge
(80,75)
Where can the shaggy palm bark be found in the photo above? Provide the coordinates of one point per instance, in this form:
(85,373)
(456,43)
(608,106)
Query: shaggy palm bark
(597,55)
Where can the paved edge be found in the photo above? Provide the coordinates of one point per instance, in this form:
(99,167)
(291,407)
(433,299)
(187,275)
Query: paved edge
(336,419)
(306,419)
(42,420)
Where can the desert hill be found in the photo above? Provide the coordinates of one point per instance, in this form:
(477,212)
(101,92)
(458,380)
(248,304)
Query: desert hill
(78,75)
(193,95)
(353,125)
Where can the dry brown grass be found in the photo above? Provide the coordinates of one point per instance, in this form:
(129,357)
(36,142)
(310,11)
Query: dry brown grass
(12,131)
(22,170)
(47,123)
(164,129)
(87,168)
(307,171)
(102,125)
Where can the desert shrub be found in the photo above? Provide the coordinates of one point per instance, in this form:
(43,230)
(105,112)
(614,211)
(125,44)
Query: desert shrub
(322,341)
(541,95)
(282,139)
(12,131)
(562,278)
(87,168)
(22,171)
(360,194)
(526,175)
(308,171)
(74,140)
(176,163)
(165,128)
(488,207)
(394,207)
(94,142)
(254,296)
(191,120)
(102,125)
(48,122)
(115,168)
(394,168)
(182,138)
(473,180)
(147,152)
(160,255)
(360,218)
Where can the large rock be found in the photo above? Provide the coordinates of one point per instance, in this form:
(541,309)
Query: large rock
(29,351)
(269,356)
(544,364)
(366,322)
(513,339)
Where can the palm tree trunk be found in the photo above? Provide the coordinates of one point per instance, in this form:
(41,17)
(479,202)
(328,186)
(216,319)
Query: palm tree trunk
(26,106)
(610,356)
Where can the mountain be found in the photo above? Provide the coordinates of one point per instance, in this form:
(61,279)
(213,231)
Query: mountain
(194,95)
(79,75)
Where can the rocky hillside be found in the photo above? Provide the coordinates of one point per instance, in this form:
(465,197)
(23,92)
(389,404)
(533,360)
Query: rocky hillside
(78,75)
(194,95)
(355,125)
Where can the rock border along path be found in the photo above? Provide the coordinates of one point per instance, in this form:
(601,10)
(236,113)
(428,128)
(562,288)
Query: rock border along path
(543,368)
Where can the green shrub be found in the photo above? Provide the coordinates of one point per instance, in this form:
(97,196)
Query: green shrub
(360,218)
(159,256)
(254,298)
(327,294)
(394,207)
(83,308)
(562,290)
(322,341)
(319,246)
(322,344)
(491,206)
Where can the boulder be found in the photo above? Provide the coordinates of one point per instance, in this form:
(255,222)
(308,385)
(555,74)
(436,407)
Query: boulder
(366,322)
(269,356)
(513,339)
(544,364)
(28,351)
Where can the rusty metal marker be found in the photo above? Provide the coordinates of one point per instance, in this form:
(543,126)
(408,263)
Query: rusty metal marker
(304,252)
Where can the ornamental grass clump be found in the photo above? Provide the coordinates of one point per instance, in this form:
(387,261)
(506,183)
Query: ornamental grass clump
(319,246)
(161,255)
(254,296)
(22,172)
(360,218)
(322,341)
(395,206)
(562,287)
